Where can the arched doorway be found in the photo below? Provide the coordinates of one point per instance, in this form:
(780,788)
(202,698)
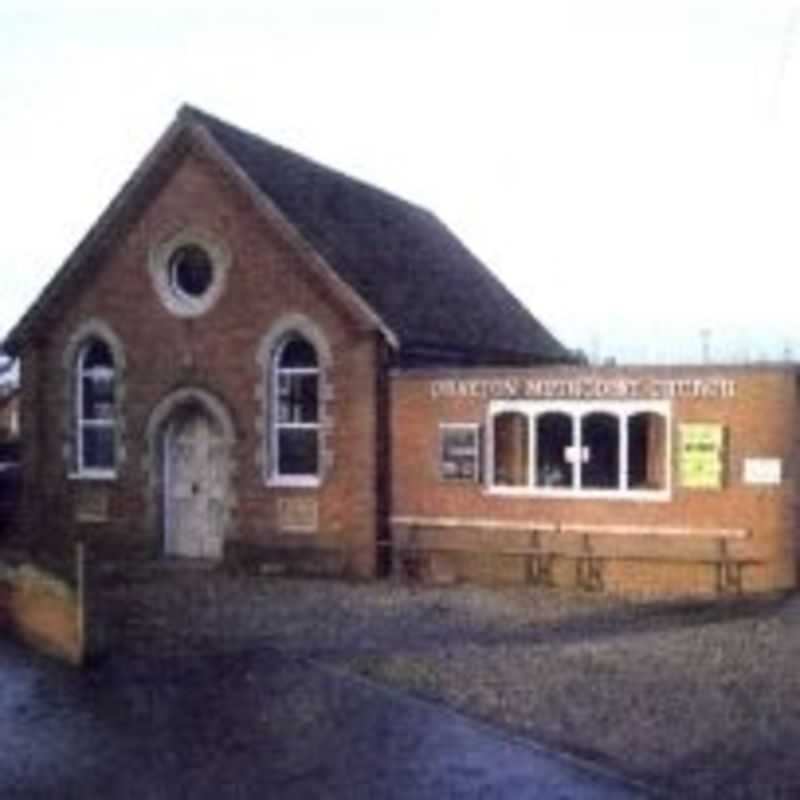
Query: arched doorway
(191,436)
(195,485)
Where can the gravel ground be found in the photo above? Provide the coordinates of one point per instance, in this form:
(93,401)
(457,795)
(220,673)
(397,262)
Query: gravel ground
(696,699)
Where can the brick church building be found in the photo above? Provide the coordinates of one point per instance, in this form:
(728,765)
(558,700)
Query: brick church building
(211,365)
(251,354)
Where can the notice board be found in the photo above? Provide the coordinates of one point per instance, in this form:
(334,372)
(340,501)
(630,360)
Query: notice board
(701,455)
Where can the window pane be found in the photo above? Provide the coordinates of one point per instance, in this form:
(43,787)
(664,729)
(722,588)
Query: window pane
(96,354)
(190,270)
(298,398)
(600,435)
(96,375)
(297,352)
(297,452)
(305,397)
(647,451)
(511,449)
(98,447)
(553,439)
(98,394)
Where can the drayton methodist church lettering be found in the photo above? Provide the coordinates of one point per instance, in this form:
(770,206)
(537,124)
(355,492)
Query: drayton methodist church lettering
(584,388)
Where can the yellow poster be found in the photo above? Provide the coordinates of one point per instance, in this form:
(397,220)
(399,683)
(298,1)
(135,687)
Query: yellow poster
(701,455)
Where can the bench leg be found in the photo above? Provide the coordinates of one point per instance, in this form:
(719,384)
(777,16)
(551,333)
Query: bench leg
(589,574)
(729,577)
(539,570)
(588,569)
(729,572)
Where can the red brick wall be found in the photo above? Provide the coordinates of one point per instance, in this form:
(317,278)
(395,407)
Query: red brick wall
(216,351)
(761,421)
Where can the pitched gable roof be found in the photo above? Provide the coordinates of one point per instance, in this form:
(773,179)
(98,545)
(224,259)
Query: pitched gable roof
(437,300)
(417,276)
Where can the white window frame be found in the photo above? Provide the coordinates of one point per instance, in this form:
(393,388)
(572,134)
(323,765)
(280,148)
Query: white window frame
(276,426)
(576,410)
(81,424)
(174,299)
(475,429)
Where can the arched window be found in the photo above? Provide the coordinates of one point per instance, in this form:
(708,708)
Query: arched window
(511,449)
(600,451)
(647,442)
(94,409)
(553,441)
(295,410)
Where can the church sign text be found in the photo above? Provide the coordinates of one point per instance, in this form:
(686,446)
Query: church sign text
(583,388)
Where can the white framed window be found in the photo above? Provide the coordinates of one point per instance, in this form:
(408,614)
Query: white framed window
(295,413)
(95,410)
(588,449)
(459,453)
(189,271)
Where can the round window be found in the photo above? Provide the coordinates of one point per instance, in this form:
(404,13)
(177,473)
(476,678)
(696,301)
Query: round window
(190,271)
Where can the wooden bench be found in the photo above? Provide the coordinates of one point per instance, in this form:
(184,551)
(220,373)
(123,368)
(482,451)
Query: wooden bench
(415,556)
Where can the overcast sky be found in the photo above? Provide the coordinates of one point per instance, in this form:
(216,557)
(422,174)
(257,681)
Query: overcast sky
(630,169)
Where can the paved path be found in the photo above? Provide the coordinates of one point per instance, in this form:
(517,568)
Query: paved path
(252,725)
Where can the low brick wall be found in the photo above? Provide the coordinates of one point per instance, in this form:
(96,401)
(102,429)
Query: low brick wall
(43,611)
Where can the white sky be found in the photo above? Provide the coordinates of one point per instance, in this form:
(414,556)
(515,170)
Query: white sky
(629,168)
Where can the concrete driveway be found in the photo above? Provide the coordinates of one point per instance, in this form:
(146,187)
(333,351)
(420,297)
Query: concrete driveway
(253,724)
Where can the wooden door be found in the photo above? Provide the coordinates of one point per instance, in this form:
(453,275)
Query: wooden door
(195,487)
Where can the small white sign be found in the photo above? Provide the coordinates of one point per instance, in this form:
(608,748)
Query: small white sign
(763,471)
(573,454)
